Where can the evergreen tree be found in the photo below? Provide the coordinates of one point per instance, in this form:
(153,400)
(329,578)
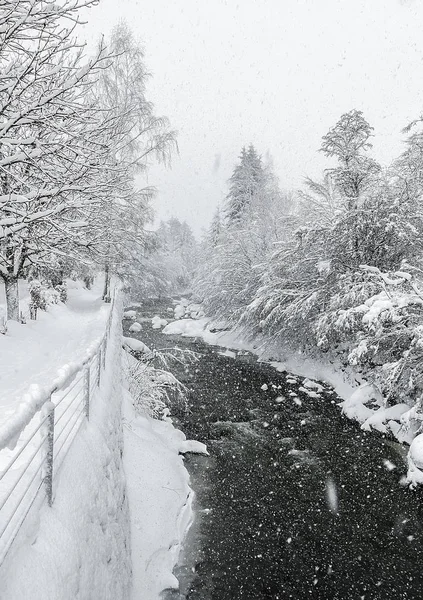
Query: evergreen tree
(245,186)
(216,228)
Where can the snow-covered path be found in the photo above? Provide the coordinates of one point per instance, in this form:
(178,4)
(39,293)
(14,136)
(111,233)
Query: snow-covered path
(32,354)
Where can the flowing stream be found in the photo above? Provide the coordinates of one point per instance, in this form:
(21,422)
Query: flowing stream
(295,500)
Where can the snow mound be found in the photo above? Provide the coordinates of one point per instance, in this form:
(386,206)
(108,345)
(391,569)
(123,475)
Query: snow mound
(415,461)
(193,447)
(135,327)
(362,402)
(186,309)
(136,345)
(130,314)
(186,328)
(157,322)
(378,419)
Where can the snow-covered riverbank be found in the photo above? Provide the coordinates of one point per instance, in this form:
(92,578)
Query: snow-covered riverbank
(362,401)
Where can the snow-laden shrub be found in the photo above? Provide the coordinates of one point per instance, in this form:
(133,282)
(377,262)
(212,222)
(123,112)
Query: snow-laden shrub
(382,333)
(42,296)
(51,296)
(153,387)
(63,292)
(36,292)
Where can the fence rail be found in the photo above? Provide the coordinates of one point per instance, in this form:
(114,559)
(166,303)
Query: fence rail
(27,472)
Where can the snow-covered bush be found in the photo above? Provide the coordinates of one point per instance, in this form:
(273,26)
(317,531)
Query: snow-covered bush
(378,326)
(63,292)
(153,387)
(42,296)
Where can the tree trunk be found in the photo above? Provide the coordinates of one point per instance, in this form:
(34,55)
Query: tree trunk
(106,290)
(12,298)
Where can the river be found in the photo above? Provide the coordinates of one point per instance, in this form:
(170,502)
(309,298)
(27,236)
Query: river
(295,500)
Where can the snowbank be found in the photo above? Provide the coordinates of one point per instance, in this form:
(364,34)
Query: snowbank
(160,500)
(361,401)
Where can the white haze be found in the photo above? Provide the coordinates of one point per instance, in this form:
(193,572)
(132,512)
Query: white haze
(275,73)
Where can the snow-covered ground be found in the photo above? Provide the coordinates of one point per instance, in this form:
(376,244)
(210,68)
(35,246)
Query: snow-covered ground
(79,547)
(122,502)
(34,355)
(160,500)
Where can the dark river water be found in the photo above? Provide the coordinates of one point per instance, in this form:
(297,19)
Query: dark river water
(295,500)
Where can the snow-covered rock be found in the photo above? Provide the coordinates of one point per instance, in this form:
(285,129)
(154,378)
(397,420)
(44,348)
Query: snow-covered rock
(157,322)
(135,327)
(308,383)
(415,461)
(136,345)
(193,447)
(186,309)
(185,327)
(309,392)
(383,415)
(363,402)
(179,311)
(130,314)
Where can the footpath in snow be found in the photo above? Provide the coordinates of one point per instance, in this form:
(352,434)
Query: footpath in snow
(34,355)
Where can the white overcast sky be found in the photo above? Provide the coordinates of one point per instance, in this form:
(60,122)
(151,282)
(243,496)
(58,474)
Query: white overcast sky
(275,73)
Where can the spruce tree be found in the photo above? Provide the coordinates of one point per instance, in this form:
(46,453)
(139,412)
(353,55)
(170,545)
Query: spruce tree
(245,186)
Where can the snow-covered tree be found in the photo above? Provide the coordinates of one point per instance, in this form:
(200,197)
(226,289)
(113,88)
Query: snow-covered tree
(74,135)
(236,251)
(140,137)
(348,141)
(170,261)
(245,185)
(54,166)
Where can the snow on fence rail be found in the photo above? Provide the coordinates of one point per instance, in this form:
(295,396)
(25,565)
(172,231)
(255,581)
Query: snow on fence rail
(33,449)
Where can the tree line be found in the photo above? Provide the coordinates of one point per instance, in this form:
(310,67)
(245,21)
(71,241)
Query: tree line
(334,268)
(76,131)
